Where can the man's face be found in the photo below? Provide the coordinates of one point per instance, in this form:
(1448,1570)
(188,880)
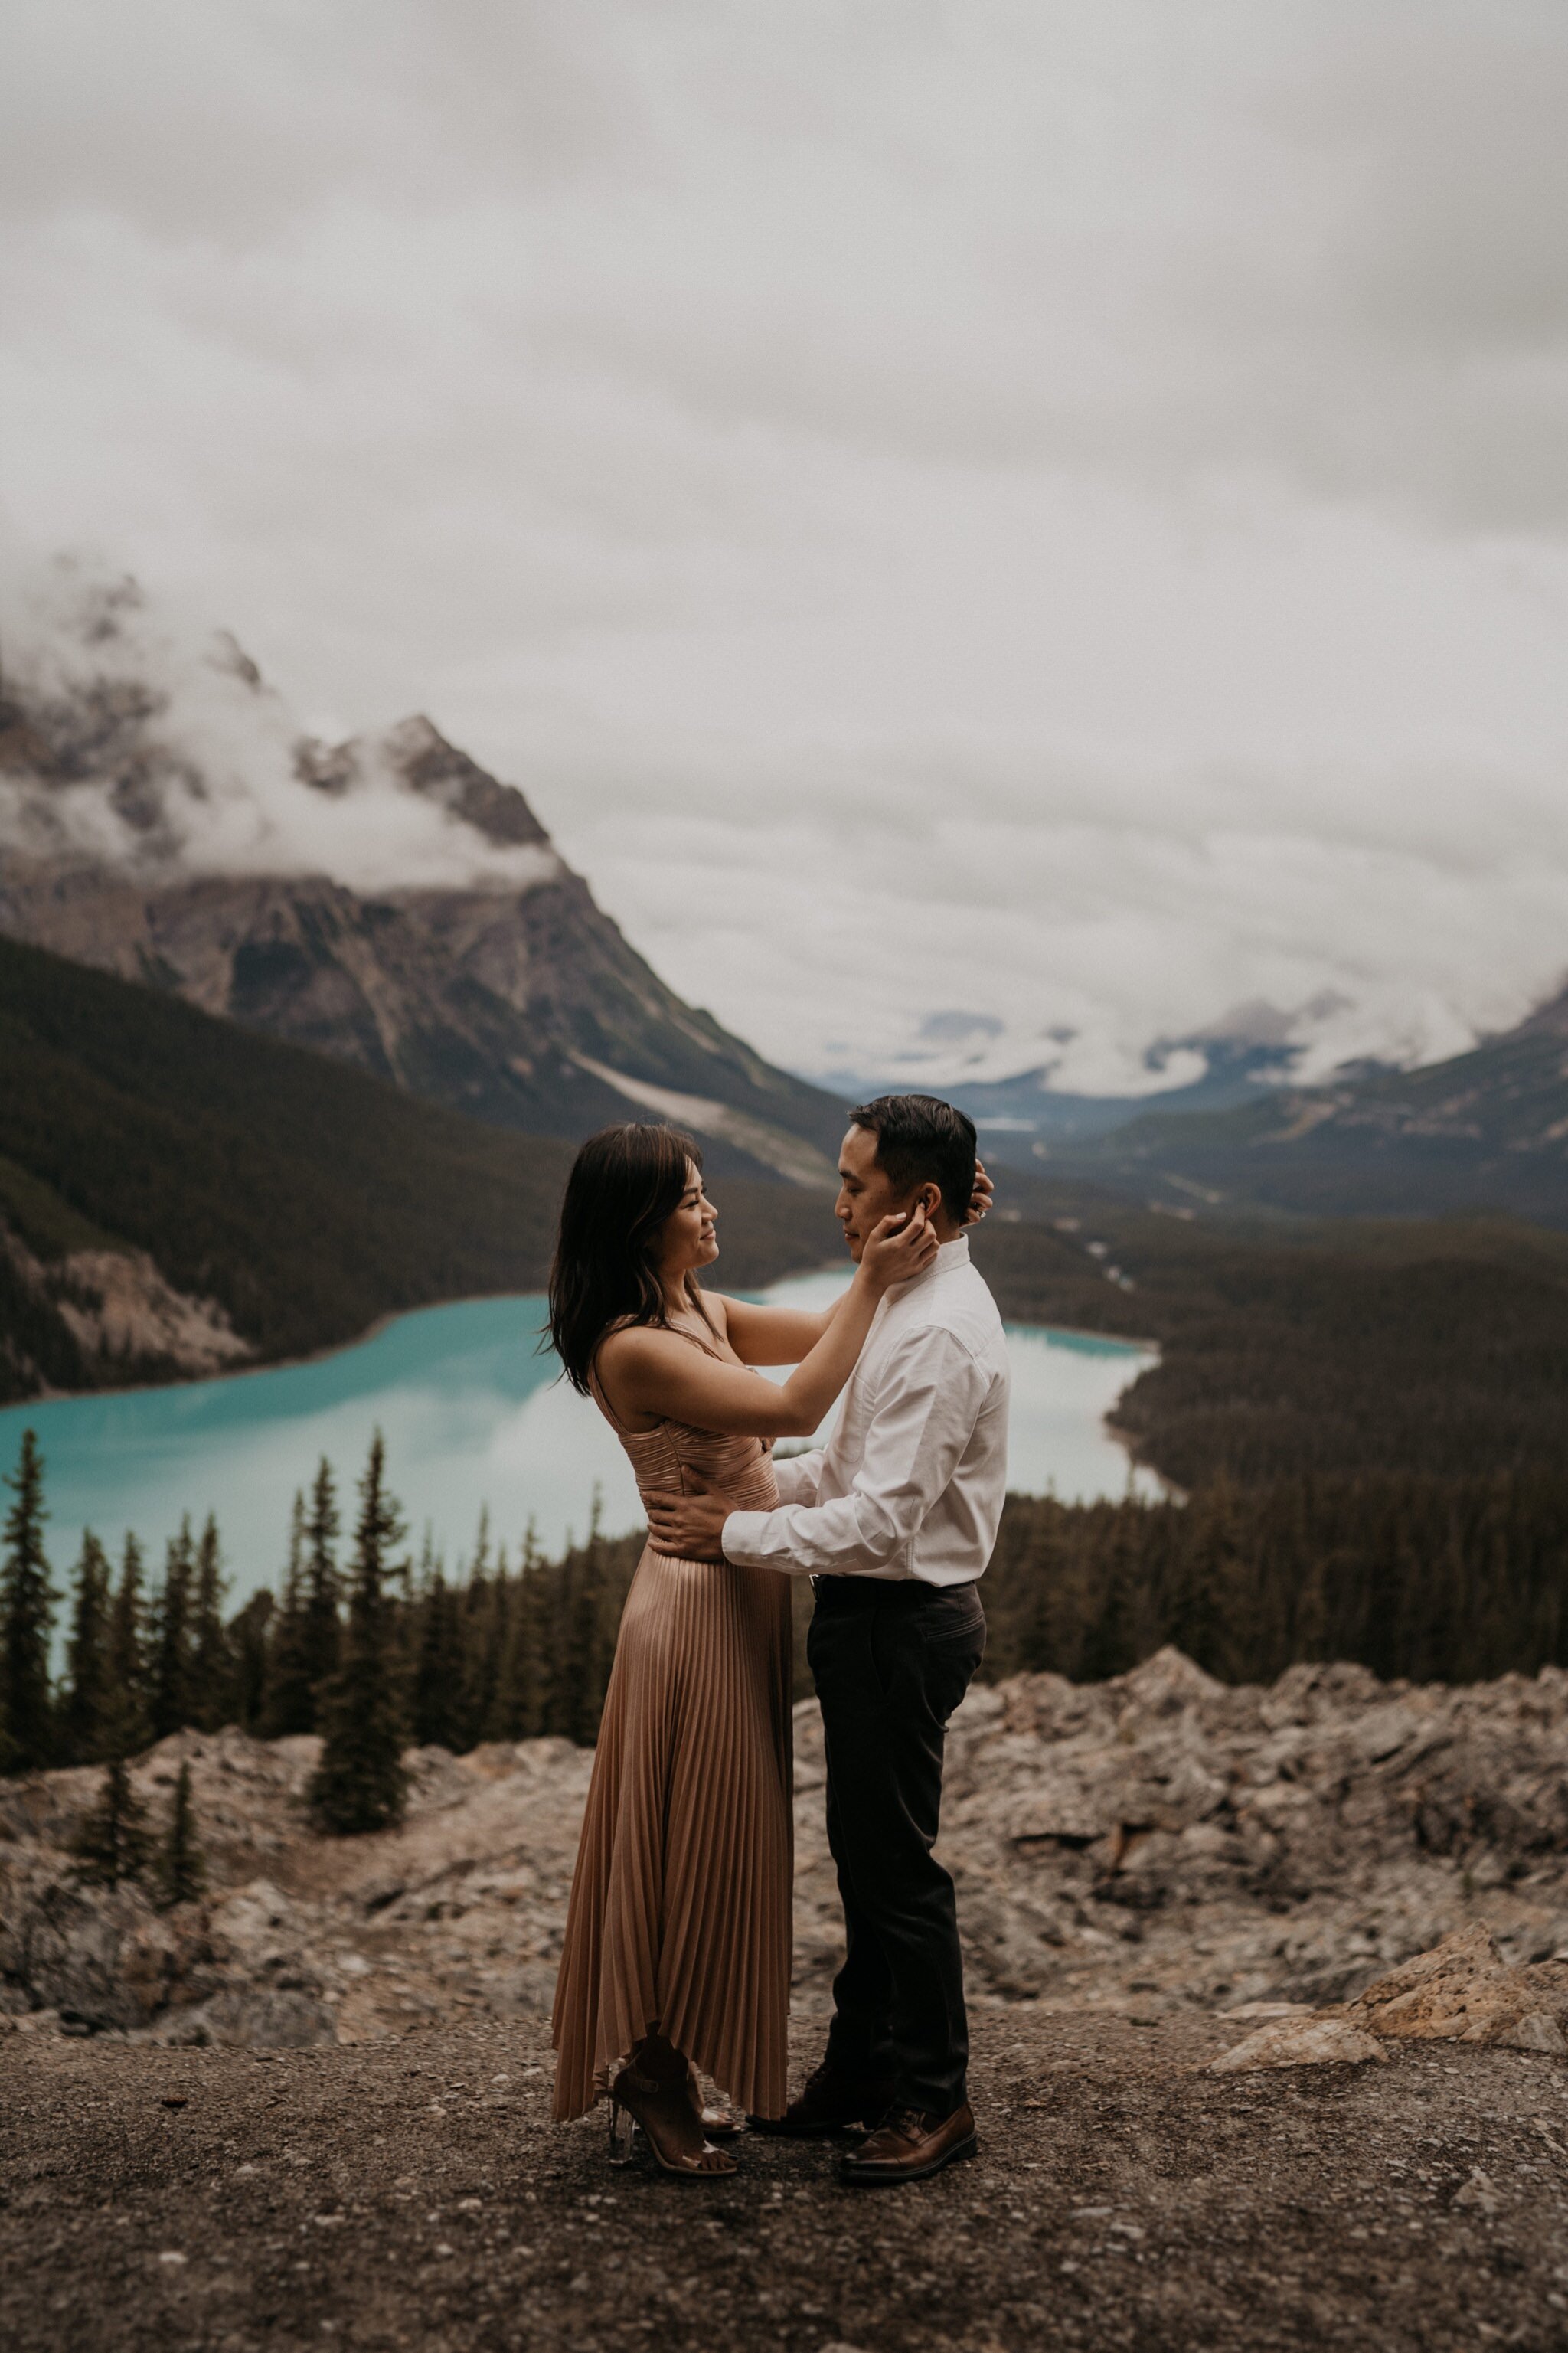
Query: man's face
(865,1191)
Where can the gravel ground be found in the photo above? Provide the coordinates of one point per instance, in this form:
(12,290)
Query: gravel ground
(413,2193)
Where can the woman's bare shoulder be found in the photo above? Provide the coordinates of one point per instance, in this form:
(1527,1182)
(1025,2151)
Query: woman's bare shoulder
(626,1344)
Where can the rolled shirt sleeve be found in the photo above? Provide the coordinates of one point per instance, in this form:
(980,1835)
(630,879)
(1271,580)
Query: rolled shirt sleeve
(928,1401)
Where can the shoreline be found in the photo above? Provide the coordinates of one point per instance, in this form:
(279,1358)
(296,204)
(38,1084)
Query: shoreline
(384,1322)
(264,1365)
(1109,1361)
(1082,1331)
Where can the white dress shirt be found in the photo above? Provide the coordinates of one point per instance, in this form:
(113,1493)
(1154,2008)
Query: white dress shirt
(911,1483)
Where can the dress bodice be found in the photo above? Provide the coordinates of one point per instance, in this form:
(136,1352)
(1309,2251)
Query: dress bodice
(664,1458)
(739,1468)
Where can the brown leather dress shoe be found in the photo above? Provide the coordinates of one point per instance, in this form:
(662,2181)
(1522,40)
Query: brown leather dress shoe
(828,2102)
(909,2147)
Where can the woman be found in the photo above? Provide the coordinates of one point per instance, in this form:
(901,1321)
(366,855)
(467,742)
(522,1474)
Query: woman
(677,1936)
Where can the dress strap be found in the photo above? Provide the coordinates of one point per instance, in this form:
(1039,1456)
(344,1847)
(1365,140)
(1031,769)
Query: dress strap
(677,1333)
(601,1395)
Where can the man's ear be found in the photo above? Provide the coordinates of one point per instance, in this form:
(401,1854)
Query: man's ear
(929,1197)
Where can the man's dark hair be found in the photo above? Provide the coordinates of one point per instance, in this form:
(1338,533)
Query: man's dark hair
(920,1140)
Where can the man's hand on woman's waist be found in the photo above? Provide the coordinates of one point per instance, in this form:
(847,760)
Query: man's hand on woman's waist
(688,1526)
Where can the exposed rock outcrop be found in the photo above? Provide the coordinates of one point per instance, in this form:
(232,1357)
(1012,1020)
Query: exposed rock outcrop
(117,1306)
(1154,1843)
(126,1320)
(1464,1992)
(1302,2042)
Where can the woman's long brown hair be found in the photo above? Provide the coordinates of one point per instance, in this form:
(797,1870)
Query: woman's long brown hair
(624,1182)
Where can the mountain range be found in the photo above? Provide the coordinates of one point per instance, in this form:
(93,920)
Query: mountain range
(1015,1114)
(1485,1130)
(166,833)
(387,902)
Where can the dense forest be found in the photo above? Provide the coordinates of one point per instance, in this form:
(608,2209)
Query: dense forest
(306,1197)
(361,1642)
(1416,1574)
(1435,1346)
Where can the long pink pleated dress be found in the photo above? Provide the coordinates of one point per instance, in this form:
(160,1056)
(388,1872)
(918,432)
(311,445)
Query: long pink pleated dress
(679,1917)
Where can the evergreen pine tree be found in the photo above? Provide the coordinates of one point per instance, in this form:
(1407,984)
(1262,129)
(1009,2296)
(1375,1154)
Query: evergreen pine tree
(360,1783)
(249,1651)
(478,1667)
(484,1619)
(211,1660)
(1205,1607)
(438,1710)
(566,1662)
(26,1618)
(181,1877)
(170,1697)
(495,1724)
(1046,1642)
(523,1680)
(112,1842)
(128,1654)
(323,1632)
(1109,1646)
(86,1707)
(584,1639)
(291,1702)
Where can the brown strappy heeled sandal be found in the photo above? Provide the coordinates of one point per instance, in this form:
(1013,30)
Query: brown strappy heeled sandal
(633,2097)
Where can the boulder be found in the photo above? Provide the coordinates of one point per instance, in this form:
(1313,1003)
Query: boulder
(1311,2041)
(101,1955)
(1479,2193)
(1464,1992)
(262,2018)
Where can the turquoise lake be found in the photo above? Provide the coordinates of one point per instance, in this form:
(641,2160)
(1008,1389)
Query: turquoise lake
(473,1418)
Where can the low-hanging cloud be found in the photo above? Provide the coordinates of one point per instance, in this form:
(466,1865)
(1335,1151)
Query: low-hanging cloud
(171,756)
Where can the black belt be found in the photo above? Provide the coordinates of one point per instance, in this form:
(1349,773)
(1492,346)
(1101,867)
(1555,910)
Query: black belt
(883,1592)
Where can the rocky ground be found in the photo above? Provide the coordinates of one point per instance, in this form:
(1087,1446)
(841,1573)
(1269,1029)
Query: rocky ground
(1155,1845)
(316,2104)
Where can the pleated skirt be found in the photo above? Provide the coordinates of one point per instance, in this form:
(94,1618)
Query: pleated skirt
(680,1920)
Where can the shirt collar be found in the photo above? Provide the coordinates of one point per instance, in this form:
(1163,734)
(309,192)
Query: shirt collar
(948,1256)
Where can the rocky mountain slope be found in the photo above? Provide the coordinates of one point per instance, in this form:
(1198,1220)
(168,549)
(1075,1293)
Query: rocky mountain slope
(178,1197)
(1160,1844)
(1485,1130)
(384,900)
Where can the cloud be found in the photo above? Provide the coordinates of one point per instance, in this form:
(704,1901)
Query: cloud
(1057,512)
(174,757)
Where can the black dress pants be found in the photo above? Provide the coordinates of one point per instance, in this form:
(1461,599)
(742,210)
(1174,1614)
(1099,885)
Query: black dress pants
(891,1660)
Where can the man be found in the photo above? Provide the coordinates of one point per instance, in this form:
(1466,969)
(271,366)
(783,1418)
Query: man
(894,1524)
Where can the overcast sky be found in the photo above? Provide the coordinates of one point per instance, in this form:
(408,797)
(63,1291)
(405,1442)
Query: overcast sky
(1057,512)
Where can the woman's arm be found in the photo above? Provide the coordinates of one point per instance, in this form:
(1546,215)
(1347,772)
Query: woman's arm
(773,1336)
(647,1371)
